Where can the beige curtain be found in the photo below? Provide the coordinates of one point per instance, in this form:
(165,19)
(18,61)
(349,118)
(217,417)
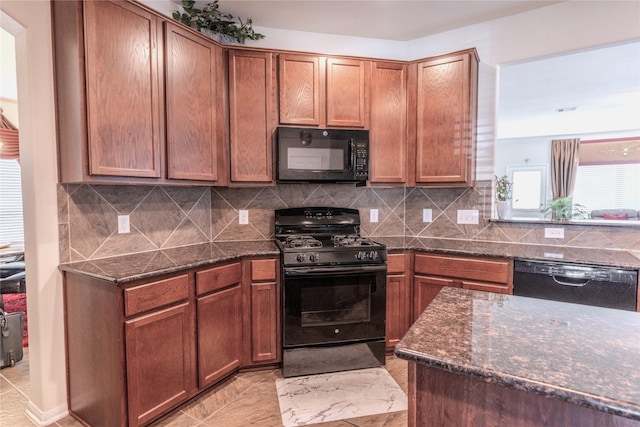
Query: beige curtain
(565,156)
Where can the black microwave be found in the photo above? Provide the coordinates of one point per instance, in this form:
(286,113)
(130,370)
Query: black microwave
(322,155)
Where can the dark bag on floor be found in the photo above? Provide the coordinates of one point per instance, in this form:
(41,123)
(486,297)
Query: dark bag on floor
(11,330)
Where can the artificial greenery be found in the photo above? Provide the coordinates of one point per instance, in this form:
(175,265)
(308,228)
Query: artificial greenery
(503,188)
(563,208)
(210,18)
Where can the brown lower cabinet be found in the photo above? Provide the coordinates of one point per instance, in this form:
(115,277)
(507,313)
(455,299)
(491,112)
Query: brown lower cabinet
(398,297)
(138,350)
(432,272)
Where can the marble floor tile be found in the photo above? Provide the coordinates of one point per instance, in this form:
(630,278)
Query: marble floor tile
(338,396)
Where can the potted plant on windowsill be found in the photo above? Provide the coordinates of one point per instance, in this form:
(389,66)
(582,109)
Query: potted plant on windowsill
(503,194)
(563,209)
(215,24)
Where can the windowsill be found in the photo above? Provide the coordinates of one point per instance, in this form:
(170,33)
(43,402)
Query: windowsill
(604,222)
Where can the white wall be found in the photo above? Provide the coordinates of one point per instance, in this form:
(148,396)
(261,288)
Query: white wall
(30,23)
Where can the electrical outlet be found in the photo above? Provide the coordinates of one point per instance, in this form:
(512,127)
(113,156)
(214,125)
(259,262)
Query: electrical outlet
(554,233)
(427,215)
(470,216)
(373,215)
(123,224)
(243,217)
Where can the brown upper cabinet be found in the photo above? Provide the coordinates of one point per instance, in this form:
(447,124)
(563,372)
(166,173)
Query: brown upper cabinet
(320,91)
(388,136)
(111,102)
(444,124)
(252,116)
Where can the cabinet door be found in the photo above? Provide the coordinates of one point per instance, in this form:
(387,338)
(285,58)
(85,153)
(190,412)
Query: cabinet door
(252,117)
(264,322)
(398,308)
(193,122)
(388,136)
(302,97)
(219,334)
(446,115)
(425,289)
(159,362)
(348,85)
(123,90)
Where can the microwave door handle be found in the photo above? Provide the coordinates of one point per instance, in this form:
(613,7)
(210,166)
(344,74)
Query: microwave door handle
(352,153)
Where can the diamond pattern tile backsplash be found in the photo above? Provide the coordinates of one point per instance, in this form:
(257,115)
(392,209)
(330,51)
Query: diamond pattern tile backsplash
(167,217)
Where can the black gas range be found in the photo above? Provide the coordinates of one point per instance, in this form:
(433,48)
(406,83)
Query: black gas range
(333,292)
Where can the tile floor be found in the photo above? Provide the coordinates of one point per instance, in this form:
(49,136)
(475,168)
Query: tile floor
(246,399)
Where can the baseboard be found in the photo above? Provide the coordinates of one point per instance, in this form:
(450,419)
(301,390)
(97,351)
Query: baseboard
(45,418)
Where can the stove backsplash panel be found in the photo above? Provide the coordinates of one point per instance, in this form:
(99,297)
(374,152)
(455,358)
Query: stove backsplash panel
(167,217)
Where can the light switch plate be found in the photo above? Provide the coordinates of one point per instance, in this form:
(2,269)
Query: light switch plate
(373,215)
(554,233)
(243,217)
(123,224)
(470,216)
(427,215)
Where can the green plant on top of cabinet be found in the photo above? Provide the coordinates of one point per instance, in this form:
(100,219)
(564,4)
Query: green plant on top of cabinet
(252,116)
(111,102)
(444,125)
(319,91)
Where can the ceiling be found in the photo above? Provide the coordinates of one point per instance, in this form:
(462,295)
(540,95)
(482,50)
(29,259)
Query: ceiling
(399,20)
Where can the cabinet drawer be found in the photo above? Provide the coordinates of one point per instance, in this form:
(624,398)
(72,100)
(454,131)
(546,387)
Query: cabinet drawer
(395,263)
(218,278)
(263,269)
(483,269)
(156,294)
(487,287)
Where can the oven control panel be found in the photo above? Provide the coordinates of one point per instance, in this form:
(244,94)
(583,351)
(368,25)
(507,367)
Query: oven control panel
(334,257)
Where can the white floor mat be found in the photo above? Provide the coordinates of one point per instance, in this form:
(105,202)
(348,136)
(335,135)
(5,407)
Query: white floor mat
(339,395)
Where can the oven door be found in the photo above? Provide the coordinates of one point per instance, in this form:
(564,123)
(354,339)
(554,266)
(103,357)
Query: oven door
(326,305)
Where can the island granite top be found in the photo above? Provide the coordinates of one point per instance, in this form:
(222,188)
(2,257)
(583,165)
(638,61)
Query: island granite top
(589,356)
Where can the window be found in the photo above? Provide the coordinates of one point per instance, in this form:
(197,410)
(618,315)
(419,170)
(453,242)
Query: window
(11,222)
(611,186)
(528,190)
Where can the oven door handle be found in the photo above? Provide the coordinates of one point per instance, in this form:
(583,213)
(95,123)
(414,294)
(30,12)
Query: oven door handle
(312,271)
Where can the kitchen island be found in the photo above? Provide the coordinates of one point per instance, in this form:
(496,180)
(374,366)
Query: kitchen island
(483,359)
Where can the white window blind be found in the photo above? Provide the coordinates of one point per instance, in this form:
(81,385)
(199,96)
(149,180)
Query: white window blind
(11,220)
(608,186)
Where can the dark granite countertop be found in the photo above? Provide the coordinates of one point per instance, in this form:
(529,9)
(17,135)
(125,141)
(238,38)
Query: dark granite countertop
(609,257)
(584,355)
(127,268)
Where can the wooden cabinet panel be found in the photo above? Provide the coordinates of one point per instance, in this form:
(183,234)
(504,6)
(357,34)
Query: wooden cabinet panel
(445,121)
(124,99)
(156,294)
(194,115)
(219,334)
(159,362)
(388,136)
(216,278)
(475,268)
(263,336)
(264,324)
(252,116)
(425,289)
(398,308)
(302,82)
(348,92)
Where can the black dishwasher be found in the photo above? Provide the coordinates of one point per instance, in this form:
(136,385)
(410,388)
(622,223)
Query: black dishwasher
(576,283)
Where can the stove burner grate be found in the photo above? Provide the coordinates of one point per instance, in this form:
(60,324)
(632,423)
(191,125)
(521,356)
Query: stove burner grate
(302,241)
(351,240)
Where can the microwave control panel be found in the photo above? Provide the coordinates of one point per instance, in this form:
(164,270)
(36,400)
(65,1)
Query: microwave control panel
(362,158)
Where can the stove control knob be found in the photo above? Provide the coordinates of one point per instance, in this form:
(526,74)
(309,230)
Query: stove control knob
(360,255)
(373,255)
(300,258)
(313,257)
